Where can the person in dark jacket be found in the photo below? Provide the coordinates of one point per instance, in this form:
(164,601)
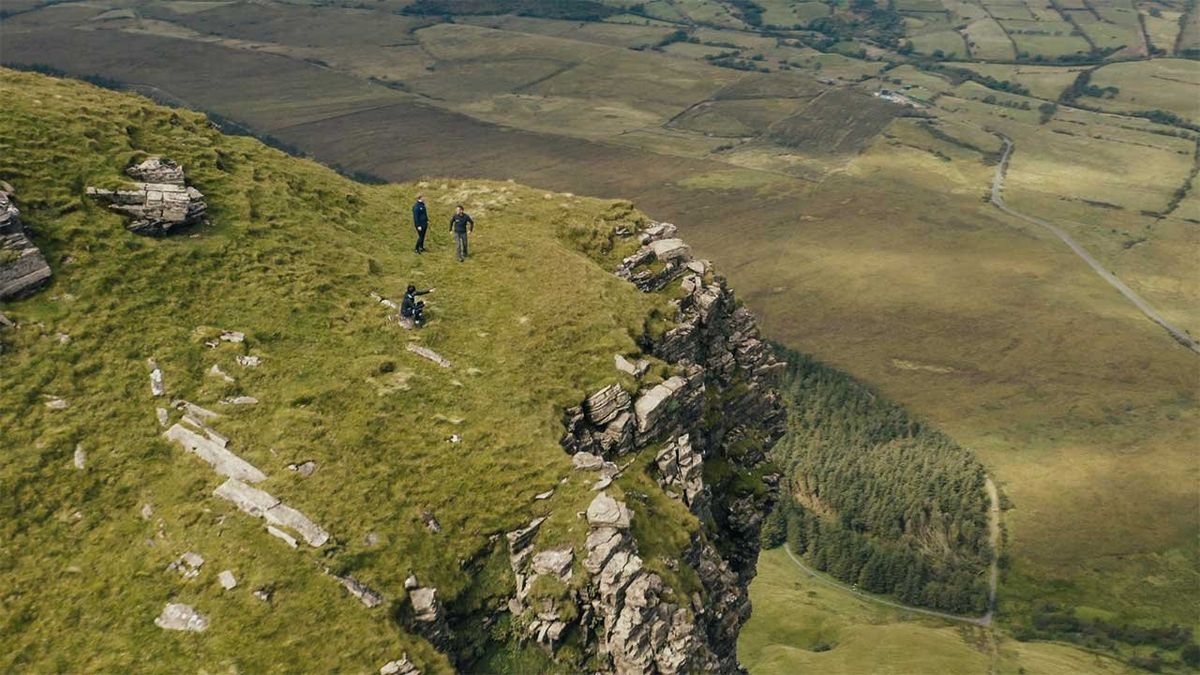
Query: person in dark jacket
(420,221)
(460,224)
(411,308)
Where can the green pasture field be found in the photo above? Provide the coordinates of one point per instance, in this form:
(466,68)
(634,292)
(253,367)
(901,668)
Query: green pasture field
(693,51)
(921,6)
(1163,29)
(194,6)
(632,35)
(1048,46)
(988,41)
(788,13)
(1046,82)
(1189,36)
(1110,35)
(708,12)
(964,11)
(736,118)
(1009,10)
(948,42)
(1172,85)
(801,624)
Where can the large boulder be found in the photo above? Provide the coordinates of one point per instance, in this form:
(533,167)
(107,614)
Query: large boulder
(161,203)
(23,269)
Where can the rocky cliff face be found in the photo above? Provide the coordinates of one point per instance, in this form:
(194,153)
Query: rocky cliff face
(715,408)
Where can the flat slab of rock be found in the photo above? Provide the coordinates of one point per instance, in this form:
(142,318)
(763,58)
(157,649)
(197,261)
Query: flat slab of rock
(222,460)
(604,511)
(671,249)
(177,616)
(554,562)
(80,458)
(263,505)
(228,582)
(428,353)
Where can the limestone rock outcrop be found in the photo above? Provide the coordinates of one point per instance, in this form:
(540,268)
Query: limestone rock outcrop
(23,268)
(716,403)
(160,202)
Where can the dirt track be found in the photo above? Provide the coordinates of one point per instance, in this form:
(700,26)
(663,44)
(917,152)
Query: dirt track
(1180,335)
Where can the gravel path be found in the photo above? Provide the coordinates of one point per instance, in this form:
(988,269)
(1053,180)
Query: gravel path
(1179,334)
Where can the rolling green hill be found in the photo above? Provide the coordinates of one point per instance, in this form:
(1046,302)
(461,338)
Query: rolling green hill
(266,328)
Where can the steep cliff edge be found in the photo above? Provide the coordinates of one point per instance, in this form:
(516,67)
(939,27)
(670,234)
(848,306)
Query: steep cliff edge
(702,434)
(222,446)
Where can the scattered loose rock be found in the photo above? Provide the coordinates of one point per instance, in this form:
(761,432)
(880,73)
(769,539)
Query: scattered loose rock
(239,400)
(228,582)
(216,371)
(233,336)
(401,666)
(156,380)
(182,617)
(249,361)
(305,468)
(80,457)
(188,565)
(364,593)
(431,522)
(163,417)
(56,403)
(428,353)
(586,461)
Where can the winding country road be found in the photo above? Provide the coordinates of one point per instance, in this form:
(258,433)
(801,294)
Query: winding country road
(998,201)
(994,573)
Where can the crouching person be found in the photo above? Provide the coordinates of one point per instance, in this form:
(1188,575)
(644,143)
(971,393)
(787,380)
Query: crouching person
(413,309)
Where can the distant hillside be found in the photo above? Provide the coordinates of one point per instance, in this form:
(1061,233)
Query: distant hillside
(425,513)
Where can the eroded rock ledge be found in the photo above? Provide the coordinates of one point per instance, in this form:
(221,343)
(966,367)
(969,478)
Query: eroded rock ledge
(23,268)
(716,405)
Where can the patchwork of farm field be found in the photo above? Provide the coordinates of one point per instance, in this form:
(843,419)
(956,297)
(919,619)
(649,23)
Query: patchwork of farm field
(1171,85)
(856,227)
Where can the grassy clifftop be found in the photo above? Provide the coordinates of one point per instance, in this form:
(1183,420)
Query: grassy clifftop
(529,324)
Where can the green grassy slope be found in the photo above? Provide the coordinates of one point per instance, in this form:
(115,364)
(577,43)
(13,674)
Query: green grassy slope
(803,625)
(529,323)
